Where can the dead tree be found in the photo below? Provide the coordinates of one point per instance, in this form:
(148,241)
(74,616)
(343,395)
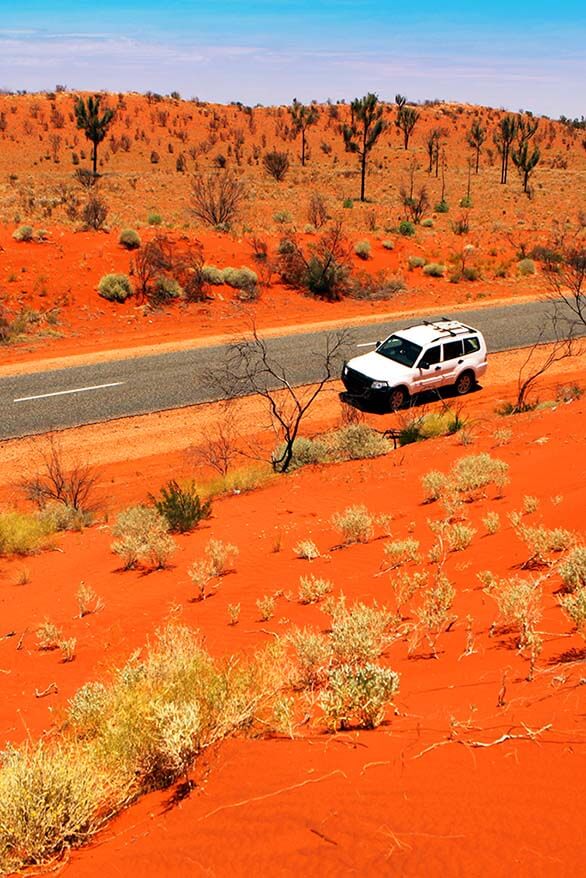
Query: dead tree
(251,369)
(564,266)
(534,367)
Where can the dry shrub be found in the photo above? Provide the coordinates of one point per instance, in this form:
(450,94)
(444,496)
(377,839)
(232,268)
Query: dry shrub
(473,474)
(313,654)
(312,589)
(573,569)
(49,636)
(361,633)
(543,542)
(142,536)
(357,442)
(434,483)
(406,585)
(355,523)
(519,605)
(266,607)
(433,616)
(492,522)
(574,606)
(399,552)
(88,601)
(307,550)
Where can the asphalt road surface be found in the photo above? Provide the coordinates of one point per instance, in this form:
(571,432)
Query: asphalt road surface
(56,399)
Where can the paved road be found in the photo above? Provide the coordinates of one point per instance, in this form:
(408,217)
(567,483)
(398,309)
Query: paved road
(50,400)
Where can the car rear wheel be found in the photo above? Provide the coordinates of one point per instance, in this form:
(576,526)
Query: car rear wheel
(397,398)
(465,383)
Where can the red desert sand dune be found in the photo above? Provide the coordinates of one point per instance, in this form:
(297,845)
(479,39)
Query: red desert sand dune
(477,771)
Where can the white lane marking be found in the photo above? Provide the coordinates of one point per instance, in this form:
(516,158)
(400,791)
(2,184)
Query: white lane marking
(63,392)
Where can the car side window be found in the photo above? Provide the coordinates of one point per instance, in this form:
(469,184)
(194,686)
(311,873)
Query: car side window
(453,349)
(471,345)
(430,357)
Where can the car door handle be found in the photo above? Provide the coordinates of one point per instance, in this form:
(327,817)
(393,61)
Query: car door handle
(460,362)
(437,368)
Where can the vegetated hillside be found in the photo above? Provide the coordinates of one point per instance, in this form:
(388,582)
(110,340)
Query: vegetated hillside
(469,236)
(480,749)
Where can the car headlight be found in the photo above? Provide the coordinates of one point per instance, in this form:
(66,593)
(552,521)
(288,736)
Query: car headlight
(379,385)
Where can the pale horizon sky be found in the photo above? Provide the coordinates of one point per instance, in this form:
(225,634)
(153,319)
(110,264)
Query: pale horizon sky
(518,56)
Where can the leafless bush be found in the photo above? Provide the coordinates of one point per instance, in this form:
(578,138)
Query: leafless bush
(72,485)
(216,199)
(218,447)
(95,213)
(317,211)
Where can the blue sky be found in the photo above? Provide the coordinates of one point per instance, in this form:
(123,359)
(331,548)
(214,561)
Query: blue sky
(515,55)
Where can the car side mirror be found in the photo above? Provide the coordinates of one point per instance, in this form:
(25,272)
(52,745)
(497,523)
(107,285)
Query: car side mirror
(377,344)
(424,365)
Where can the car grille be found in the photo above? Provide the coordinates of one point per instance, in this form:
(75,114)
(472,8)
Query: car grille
(355,382)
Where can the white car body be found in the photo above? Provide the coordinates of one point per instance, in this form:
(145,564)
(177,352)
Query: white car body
(426,356)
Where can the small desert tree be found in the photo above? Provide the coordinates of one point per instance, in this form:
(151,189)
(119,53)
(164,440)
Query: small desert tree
(302,118)
(94,122)
(251,368)
(534,366)
(503,138)
(526,160)
(476,137)
(363,132)
(406,119)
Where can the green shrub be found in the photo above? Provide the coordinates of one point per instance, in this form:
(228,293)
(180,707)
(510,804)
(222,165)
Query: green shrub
(434,269)
(427,223)
(212,275)
(305,452)
(165,289)
(358,695)
(357,442)
(406,228)
(23,233)
(362,249)
(115,287)
(244,279)
(129,239)
(181,507)
(388,244)
(281,217)
(51,799)
(526,267)
(22,533)
(416,261)
(442,207)
(154,219)
(348,203)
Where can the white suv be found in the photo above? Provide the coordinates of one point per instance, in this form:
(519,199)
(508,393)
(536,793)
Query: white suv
(423,357)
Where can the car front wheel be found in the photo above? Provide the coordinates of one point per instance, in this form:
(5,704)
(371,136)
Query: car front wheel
(397,398)
(465,383)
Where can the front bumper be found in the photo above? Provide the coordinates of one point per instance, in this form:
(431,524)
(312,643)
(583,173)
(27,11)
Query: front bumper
(360,386)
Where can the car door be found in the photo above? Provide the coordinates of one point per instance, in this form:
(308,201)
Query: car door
(452,359)
(427,372)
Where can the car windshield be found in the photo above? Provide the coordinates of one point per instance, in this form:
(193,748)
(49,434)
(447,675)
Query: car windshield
(400,350)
